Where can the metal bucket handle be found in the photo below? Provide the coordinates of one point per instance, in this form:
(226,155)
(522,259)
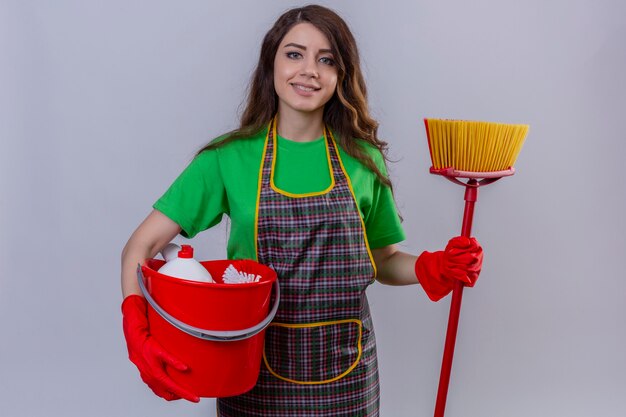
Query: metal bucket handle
(212,335)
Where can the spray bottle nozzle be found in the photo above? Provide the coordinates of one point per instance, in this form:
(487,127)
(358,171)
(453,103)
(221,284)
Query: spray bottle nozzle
(186,251)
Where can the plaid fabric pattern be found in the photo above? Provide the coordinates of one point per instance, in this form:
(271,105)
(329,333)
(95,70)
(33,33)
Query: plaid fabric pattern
(317,246)
(321,353)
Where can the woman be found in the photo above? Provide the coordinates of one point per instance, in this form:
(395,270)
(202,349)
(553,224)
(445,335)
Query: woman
(306,197)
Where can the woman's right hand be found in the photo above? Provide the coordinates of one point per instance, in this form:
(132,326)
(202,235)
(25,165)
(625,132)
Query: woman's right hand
(148,355)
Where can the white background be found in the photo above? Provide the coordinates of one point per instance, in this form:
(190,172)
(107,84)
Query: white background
(102,104)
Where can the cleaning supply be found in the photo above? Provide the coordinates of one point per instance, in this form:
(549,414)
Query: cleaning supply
(170,251)
(233,276)
(184,265)
(482,153)
(217,330)
(471,149)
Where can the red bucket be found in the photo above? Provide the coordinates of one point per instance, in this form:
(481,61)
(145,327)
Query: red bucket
(225,360)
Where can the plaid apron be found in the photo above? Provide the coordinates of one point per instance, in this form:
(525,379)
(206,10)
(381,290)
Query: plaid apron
(320,354)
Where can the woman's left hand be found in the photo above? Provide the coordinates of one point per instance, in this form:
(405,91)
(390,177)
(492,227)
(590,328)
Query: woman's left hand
(462,260)
(437,271)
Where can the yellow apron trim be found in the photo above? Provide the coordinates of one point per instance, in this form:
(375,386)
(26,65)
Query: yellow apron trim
(345,173)
(258,199)
(320,324)
(293,195)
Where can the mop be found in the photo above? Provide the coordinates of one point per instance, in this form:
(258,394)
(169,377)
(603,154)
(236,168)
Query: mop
(482,153)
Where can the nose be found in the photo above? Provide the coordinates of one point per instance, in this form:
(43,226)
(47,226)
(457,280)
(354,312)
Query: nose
(309,67)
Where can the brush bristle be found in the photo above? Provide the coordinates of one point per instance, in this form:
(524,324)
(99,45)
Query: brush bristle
(474,146)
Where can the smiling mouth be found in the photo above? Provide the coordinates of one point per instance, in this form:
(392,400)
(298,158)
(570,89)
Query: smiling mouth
(305,88)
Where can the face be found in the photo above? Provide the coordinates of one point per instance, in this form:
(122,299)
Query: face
(305,76)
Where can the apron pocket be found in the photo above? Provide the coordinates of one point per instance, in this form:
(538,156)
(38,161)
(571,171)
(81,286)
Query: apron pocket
(313,353)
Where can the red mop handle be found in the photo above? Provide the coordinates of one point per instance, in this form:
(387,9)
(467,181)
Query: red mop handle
(471,195)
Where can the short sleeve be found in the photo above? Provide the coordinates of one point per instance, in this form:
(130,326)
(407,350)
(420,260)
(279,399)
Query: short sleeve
(196,200)
(382,221)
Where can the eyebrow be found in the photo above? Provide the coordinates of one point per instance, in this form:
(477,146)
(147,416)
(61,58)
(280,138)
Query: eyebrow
(295,45)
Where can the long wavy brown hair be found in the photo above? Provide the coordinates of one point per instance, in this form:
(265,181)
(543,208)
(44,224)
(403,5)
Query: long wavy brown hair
(346,113)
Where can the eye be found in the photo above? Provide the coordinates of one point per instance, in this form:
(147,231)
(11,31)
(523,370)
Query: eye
(327,60)
(293,55)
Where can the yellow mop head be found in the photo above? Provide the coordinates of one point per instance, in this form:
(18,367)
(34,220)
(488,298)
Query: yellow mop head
(474,146)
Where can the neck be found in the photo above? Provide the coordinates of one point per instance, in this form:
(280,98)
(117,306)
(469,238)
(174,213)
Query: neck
(300,126)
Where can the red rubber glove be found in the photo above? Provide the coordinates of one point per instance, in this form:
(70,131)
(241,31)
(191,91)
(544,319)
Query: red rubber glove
(148,355)
(438,271)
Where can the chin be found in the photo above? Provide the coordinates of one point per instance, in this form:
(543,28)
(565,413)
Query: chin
(306,108)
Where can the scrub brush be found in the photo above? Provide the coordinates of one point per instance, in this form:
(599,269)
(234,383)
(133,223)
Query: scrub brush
(481,152)
(233,276)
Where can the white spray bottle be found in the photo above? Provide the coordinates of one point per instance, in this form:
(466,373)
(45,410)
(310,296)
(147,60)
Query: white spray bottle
(179,263)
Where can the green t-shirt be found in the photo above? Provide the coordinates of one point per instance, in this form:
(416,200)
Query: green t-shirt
(301,167)
(225,181)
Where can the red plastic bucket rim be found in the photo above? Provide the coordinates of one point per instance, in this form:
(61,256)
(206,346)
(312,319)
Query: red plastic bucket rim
(148,269)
